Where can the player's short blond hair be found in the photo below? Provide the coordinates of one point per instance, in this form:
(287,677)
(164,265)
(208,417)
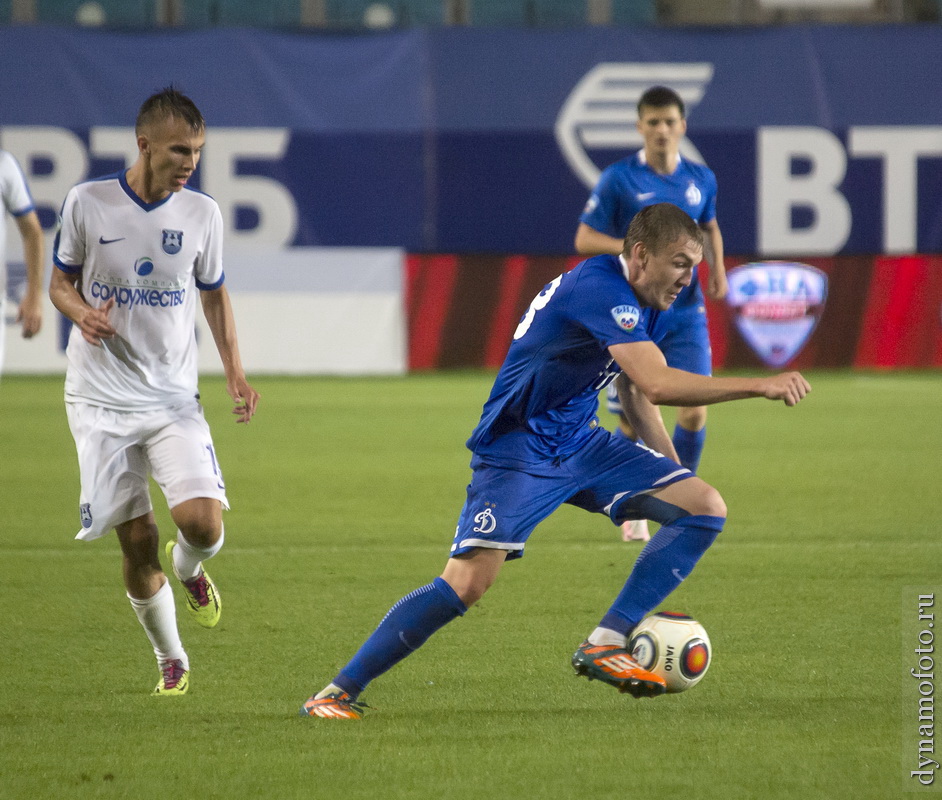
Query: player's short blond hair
(660,225)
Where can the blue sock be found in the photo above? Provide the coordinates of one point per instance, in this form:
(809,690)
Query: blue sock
(689,446)
(405,628)
(664,562)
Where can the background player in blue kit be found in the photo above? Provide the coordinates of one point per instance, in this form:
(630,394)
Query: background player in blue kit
(539,445)
(658,174)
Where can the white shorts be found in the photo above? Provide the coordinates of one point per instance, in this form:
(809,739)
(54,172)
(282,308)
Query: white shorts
(118,451)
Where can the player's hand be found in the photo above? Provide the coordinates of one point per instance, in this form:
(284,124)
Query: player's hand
(788,386)
(30,315)
(716,285)
(245,397)
(95,326)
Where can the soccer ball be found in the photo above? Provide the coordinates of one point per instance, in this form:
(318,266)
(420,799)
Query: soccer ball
(674,646)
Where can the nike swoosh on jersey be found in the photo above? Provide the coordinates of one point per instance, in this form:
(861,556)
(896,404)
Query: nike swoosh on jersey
(645,196)
(103,240)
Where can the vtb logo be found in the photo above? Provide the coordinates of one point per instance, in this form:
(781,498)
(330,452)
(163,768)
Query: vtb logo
(777,305)
(601,112)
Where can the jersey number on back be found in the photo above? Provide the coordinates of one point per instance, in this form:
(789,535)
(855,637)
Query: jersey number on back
(539,302)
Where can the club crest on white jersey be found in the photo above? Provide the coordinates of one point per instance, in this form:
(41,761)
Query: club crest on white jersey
(172,241)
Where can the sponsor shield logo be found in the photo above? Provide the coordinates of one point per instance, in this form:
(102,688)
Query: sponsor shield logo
(172,241)
(776,305)
(85,512)
(600,113)
(626,316)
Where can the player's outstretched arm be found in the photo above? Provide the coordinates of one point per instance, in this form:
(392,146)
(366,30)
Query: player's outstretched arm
(218,312)
(645,366)
(790,387)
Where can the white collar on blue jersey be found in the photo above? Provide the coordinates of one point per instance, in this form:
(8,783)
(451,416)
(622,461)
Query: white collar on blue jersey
(624,266)
(643,158)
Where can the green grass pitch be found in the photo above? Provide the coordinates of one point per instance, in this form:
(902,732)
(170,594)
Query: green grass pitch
(345,493)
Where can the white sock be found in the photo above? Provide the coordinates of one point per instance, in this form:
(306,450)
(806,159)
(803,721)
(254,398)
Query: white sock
(158,615)
(602,636)
(187,559)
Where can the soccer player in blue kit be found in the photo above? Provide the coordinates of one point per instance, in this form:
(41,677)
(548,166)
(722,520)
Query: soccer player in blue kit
(658,174)
(539,445)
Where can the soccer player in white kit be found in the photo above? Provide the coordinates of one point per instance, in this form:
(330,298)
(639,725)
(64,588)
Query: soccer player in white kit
(131,252)
(15,198)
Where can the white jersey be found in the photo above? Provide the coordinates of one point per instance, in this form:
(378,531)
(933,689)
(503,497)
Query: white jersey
(151,258)
(15,198)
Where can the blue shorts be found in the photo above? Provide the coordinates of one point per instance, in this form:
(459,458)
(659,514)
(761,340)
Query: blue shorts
(504,505)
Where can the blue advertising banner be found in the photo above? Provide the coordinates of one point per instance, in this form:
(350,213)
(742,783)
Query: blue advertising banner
(824,140)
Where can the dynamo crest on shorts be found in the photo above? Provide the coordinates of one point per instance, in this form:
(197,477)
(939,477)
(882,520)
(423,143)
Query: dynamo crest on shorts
(172,241)
(776,305)
(601,111)
(626,316)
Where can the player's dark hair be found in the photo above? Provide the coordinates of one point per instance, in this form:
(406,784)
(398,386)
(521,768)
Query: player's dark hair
(661,225)
(166,104)
(661,97)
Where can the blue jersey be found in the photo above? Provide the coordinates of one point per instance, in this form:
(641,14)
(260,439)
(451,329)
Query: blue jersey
(544,401)
(629,185)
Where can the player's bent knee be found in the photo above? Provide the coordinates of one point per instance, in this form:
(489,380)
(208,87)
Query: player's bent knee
(695,496)
(201,533)
(692,418)
(199,520)
(711,504)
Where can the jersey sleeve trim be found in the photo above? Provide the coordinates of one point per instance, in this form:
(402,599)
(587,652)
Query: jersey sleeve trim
(208,287)
(71,269)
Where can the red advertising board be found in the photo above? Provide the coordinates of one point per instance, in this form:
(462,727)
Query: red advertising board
(880,312)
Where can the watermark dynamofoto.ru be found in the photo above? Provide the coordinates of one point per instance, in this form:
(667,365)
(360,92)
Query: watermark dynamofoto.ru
(921,768)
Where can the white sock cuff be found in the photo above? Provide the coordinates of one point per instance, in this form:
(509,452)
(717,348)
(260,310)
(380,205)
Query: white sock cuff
(154,599)
(601,636)
(201,553)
